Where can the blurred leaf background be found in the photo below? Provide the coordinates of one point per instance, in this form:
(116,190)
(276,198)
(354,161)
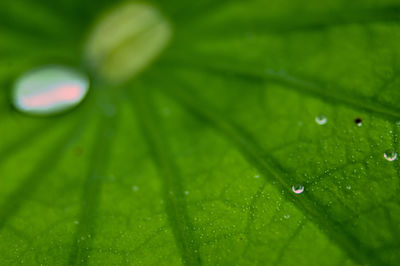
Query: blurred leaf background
(192,162)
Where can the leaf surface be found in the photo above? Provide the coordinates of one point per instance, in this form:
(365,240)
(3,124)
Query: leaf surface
(193,161)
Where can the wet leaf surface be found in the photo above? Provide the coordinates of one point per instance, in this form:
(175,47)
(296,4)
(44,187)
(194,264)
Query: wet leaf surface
(216,153)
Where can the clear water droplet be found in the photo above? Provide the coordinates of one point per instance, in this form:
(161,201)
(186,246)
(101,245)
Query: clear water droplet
(390,155)
(135,188)
(186,192)
(49,90)
(348,187)
(257,176)
(321,120)
(287,216)
(358,122)
(298,189)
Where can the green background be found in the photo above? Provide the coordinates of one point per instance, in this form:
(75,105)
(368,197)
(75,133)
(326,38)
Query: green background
(192,162)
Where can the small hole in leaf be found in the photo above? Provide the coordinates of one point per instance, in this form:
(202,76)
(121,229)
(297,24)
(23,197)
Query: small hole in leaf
(358,121)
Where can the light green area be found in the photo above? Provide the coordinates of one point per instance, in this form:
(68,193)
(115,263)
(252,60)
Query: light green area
(192,162)
(125,40)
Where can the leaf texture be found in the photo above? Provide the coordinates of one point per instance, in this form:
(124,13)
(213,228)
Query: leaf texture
(193,161)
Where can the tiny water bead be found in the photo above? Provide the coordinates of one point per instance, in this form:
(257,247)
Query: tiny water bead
(49,90)
(298,189)
(390,155)
(321,120)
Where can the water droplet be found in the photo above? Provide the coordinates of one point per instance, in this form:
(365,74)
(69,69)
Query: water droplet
(348,187)
(126,40)
(321,120)
(298,189)
(358,122)
(186,192)
(135,188)
(287,216)
(49,90)
(257,176)
(76,222)
(390,155)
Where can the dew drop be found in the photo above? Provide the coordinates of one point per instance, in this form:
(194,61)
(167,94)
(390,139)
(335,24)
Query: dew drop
(287,216)
(49,90)
(390,155)
(135,188)
(298,189)
(321,120)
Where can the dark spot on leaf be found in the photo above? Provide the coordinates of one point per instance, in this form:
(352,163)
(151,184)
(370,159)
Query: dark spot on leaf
(358,121)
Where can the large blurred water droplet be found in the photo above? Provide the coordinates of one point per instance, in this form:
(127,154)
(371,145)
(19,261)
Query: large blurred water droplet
(298,189)
(321,120)
(390,155)
(126,40)
(49,90)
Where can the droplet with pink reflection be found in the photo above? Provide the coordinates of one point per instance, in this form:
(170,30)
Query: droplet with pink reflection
(298,189)
(49,90)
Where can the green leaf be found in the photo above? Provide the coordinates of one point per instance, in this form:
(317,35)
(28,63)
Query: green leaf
(193,160)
